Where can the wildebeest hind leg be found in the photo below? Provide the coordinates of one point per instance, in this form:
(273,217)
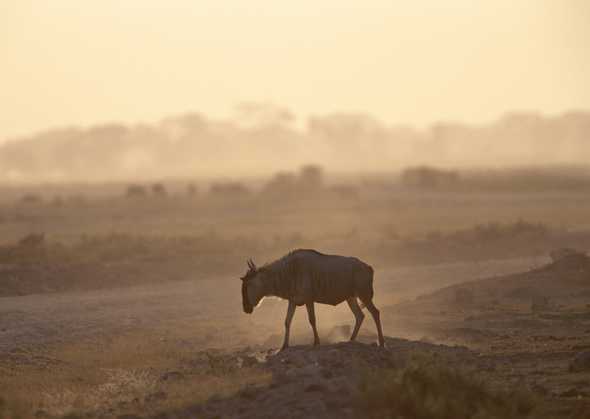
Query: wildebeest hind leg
(375,313)
(358,315)
(311,315)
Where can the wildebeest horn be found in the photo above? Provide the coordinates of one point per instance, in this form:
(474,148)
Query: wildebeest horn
(251,264)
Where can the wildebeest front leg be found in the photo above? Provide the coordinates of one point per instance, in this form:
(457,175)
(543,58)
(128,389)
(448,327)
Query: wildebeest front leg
(290,313)
(358,315)
(311,315)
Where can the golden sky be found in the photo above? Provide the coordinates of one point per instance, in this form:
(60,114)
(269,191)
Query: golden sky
(65,62)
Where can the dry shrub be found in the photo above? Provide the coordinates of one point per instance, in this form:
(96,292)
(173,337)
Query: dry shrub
(135,373)
(10,409)
(541,303)
(426,177)
(158,189)
(31,248)
(229,189)
(429,390)
(480,242)
(33,199)
(135,191)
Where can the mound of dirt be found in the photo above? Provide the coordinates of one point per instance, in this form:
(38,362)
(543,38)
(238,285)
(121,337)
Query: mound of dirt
(564,282)
(316,382)
(570,261)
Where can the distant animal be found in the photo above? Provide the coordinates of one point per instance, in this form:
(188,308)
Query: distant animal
(305,277)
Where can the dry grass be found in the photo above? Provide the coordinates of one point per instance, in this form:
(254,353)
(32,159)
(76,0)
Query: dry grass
(427,389)
(115,260)
(132,373)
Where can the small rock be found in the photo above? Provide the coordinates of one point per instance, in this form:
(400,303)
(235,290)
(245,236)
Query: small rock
(315,387)
(171,375)
(540,389)
(309,370)
(341,385)
(289,374)
(157,396)
(581,362)
(196,410)
(216,398)
(247,361)
(317,406)
(274,384)
(346,413)
(326,373)
(249,393)
(573,392)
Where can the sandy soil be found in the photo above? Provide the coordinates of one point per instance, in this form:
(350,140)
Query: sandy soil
(170,342)
(38,320)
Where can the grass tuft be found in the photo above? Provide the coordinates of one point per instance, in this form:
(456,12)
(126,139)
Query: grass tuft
(429,390)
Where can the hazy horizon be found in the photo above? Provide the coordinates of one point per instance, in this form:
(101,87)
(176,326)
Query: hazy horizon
(263,139)
(247,113)
(413,63)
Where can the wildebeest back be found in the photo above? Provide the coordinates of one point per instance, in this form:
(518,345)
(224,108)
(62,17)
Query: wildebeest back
(307,275)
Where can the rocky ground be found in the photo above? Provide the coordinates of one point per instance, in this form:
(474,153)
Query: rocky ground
(188,351)
(326,381)
(528,331)
(313,382)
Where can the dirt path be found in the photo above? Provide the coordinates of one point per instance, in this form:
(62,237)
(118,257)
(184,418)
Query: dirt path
(83,352)
(45,319)
(58,318)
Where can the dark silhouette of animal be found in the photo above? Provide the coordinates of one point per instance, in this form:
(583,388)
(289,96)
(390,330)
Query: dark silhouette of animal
(305,277)
(135,191)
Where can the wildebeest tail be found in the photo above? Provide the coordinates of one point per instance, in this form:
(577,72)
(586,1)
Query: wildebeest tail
(370,272)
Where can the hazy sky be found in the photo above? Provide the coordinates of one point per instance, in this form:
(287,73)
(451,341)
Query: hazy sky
(66,62)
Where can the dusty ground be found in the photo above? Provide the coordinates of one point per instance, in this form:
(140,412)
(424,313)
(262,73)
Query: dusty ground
(61,318)
(532,327)
(167,349)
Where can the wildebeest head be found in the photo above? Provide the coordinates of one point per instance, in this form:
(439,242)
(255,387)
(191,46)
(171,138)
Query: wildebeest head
(250,294)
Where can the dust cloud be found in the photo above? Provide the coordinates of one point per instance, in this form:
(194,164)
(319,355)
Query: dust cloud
(262,139)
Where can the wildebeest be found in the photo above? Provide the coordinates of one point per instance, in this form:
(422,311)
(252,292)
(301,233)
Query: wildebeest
(306,277)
